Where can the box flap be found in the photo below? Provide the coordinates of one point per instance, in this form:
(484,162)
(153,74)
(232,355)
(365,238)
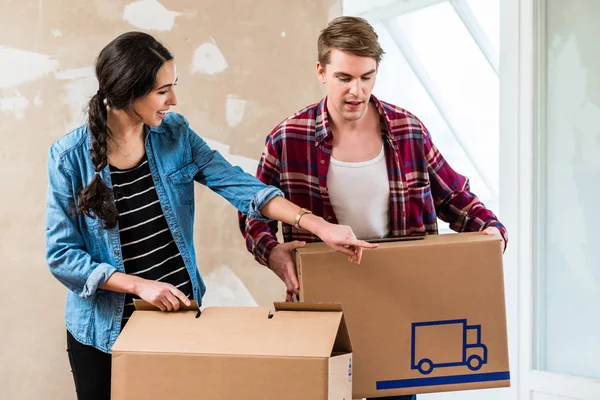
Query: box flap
(342,342)
(307,306)
(396,239)
(249,331)
(429,240)
(141,305)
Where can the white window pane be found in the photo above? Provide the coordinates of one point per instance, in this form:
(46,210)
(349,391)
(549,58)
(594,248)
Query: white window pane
(568,252)
(487,13)
(397,84)
(459,72)
(355,7)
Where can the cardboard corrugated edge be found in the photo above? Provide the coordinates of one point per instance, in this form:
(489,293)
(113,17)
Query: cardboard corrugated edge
(342,338)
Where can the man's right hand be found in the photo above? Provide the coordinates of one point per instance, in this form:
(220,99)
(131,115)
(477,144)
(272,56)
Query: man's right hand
(282,263)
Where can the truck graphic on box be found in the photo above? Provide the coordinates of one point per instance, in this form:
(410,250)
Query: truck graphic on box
(456,344)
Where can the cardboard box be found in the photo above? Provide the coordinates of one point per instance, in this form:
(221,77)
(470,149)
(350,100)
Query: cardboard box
(423,315)
(301,352)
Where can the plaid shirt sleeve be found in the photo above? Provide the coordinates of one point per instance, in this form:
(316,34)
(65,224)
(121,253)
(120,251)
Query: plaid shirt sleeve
(452,196)
(261,236)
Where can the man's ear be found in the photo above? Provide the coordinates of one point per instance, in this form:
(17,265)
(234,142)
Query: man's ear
(321,73)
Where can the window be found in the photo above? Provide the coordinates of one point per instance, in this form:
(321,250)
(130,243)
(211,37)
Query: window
(566,237)
(441,64)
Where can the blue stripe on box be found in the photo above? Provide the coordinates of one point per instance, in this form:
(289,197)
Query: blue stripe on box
(442,380)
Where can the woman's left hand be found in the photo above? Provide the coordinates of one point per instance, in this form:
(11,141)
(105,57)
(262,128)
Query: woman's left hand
(343,239)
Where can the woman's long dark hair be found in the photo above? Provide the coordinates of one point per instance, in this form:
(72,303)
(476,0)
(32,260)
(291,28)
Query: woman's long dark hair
(126,70)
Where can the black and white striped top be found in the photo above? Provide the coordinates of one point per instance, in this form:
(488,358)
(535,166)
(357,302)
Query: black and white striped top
(147,244)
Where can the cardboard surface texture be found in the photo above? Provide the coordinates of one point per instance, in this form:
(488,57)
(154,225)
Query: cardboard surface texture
(423,315)
(300,352)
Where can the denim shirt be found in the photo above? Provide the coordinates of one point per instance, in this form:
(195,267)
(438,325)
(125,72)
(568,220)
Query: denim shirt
(82,254)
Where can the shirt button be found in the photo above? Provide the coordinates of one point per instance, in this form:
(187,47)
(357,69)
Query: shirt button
(166,208)
(176,234)
(119,309)
(156,179)
(187,260)
(322,161)
(117,253)
(185,175)
(329,218)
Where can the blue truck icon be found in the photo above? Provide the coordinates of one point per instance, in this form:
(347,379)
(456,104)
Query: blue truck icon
(458,344)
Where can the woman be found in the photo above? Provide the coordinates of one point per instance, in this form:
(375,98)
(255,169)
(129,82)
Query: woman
(120,205)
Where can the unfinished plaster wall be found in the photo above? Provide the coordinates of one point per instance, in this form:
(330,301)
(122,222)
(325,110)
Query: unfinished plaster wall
(243,66)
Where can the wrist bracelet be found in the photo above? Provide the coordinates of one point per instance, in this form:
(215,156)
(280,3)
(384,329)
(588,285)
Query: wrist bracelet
(301,212)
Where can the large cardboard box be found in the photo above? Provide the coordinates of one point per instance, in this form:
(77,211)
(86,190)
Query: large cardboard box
(300,352)
(423,315)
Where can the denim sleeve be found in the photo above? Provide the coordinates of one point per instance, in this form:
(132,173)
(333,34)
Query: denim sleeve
(66,256)
(242,190)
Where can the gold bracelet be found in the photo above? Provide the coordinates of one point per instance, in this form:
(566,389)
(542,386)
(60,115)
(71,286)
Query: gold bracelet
(301,212)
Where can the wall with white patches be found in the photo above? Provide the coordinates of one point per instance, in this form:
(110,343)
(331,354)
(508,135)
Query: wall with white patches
(243,66)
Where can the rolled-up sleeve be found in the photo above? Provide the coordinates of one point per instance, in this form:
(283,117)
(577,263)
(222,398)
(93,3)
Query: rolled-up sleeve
(260,200)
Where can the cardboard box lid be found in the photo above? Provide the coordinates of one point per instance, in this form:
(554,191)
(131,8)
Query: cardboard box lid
(410,241)
(298,330)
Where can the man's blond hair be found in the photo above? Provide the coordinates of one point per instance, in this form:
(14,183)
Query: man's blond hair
(352,35)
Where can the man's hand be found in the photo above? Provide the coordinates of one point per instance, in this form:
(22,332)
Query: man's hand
(282,263)
(492,230)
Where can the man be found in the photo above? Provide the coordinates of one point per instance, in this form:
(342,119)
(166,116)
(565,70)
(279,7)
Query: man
(358,161)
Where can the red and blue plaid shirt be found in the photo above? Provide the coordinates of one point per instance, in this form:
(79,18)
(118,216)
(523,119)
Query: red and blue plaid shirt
(422,184)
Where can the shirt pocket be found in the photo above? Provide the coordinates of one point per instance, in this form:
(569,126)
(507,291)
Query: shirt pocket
(183,182)
(420,207)
(92,223)
(91,232)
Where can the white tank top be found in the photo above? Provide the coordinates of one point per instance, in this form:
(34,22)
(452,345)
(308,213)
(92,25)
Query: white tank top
(360,195)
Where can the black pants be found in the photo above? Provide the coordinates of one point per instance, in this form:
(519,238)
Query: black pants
(91,370)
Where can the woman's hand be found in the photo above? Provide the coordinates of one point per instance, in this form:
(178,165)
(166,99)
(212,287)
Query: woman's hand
(343,239)
(162,295)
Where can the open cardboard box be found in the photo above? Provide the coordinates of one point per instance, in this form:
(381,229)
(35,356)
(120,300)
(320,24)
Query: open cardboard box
(301,351)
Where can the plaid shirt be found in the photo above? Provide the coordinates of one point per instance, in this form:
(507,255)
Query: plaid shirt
(422,185)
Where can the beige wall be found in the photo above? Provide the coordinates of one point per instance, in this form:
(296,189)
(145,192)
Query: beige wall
(47,50)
